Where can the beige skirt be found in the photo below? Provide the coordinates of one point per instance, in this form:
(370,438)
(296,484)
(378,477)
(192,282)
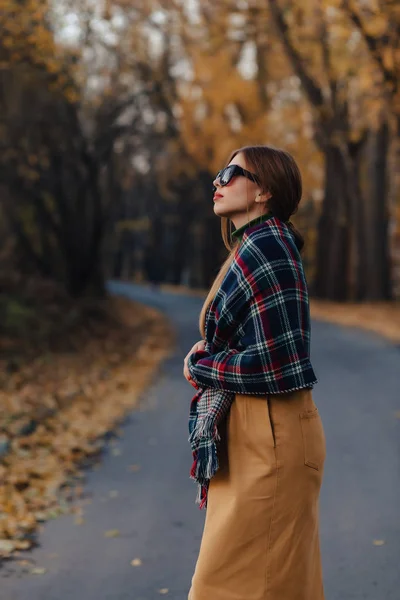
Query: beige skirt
(261,538)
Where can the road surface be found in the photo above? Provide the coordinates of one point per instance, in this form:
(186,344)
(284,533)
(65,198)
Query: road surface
(153,508)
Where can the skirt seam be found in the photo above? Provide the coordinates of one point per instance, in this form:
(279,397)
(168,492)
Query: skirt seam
(269,540)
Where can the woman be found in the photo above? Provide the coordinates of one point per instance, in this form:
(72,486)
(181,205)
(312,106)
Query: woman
(256,435)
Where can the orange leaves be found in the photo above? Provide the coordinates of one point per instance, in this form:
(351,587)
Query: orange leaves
(29,43)
(73,399)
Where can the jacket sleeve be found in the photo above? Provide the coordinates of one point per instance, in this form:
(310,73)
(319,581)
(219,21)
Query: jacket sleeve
(272,355)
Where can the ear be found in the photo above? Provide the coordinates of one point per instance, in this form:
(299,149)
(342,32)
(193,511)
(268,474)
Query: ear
(262,198)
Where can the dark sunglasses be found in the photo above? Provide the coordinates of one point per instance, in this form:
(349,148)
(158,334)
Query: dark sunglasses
(226,175)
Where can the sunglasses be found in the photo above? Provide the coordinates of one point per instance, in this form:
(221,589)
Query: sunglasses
(226,175)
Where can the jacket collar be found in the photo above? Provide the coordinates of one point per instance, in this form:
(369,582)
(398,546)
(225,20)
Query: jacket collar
(238,233)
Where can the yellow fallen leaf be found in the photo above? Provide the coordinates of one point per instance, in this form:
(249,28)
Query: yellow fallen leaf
(112,533)
(163,591)
(6,546)
(38,571)
(23,544)
(379,542)
(136,562)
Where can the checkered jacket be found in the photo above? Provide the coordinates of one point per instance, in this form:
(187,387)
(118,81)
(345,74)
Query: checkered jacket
(257,337)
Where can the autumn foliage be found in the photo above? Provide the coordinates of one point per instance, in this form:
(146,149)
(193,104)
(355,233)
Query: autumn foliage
(146,100)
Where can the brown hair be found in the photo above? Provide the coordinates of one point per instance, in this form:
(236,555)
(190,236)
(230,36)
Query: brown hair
(277,173)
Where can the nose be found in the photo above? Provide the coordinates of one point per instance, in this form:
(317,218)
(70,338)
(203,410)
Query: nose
(216,182)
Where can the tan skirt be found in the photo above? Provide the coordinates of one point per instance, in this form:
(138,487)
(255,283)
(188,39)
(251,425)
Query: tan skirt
(261,539)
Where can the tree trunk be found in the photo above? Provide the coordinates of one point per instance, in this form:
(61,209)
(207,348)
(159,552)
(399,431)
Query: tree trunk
(333,235)
(358,264)
(377,222)
(154,264)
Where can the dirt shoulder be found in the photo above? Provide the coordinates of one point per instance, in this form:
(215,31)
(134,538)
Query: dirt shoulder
(59,406)
(382,318)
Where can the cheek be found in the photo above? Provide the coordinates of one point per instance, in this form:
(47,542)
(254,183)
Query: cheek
(237,192)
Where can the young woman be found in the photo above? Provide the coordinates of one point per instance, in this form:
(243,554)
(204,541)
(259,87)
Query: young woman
(256,435)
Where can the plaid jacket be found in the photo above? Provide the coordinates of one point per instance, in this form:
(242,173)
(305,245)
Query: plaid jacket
(257,337)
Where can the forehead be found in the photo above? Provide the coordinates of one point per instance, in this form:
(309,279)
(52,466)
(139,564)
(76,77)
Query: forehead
(239,160)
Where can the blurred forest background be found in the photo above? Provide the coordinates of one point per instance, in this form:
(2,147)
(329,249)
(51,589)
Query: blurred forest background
(115,116)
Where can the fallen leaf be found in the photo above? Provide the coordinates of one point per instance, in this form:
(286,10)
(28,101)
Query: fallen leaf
(136,562)
(6,546)
(379,542)
(23,544)
(25,563)
(79,521)
(38,571)
(111,533)
(134,468)
(163,591)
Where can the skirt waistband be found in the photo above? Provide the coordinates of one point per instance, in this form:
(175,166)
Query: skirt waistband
(298,401)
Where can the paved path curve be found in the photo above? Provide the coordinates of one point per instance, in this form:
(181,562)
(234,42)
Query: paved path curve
(358,396)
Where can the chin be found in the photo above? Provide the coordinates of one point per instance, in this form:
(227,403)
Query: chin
(220,212)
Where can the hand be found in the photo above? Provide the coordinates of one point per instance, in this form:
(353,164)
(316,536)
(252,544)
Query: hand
(196,348)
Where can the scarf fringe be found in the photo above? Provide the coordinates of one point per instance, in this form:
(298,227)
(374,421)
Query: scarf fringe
(202,494)
(206,429)
(205,463)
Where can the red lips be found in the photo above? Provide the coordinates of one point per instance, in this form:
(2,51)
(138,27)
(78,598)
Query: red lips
(217,196)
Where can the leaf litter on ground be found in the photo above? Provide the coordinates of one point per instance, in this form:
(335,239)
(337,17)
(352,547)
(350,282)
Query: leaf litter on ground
(58,405)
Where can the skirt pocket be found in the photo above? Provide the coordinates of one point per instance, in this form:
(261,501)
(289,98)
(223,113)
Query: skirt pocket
(256,425)
(313,439)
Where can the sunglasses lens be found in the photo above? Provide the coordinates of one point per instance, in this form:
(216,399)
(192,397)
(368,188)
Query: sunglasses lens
(226,175)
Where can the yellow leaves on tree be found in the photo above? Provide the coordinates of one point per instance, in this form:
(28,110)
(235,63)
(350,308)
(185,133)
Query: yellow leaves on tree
(28,39)
(220,108)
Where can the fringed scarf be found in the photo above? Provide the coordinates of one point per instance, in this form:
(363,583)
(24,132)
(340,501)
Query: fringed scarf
(257,339)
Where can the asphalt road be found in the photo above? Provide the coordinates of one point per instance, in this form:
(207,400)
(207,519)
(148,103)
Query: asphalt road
(153,508)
